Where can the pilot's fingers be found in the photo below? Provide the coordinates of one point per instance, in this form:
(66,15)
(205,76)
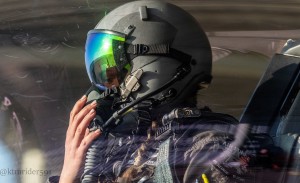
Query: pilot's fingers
(77,107)
(81,128)
(87,131)
(88,111)
(86,142)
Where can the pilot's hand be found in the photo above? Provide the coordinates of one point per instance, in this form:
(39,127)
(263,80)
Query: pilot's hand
(78,139)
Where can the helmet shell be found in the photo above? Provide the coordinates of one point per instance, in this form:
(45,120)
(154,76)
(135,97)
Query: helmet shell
(166,23)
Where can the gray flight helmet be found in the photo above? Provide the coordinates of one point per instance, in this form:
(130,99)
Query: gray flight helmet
(154,23)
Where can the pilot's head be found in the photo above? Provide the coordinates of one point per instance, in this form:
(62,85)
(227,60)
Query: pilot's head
(141,46)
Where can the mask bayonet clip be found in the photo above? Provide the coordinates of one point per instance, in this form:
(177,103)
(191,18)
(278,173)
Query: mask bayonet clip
(131,84)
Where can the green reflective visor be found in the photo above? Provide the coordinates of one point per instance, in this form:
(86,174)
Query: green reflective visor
(105,58)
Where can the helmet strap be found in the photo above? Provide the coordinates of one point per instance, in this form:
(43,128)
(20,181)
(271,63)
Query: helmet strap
(135,50)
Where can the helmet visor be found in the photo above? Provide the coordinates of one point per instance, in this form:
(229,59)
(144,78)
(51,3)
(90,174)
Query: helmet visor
(105,58)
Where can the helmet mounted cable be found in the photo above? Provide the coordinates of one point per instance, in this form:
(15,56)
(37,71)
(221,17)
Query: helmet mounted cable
(114,120)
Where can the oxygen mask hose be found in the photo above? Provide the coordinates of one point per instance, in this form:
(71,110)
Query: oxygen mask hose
(95,153)
(92,163)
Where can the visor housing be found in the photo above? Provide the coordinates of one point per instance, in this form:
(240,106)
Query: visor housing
(105,58)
